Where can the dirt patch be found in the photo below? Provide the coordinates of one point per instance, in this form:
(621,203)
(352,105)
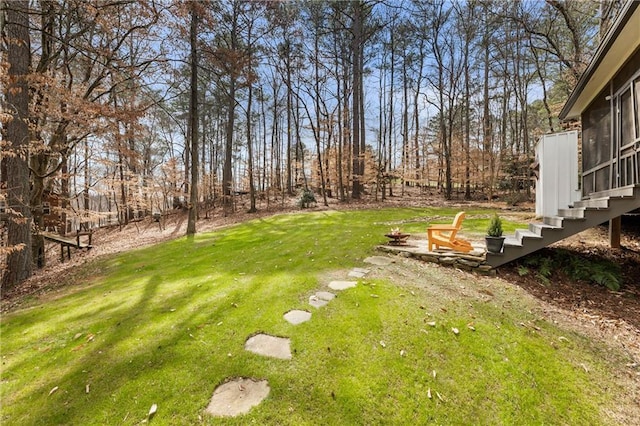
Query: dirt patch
(594,301)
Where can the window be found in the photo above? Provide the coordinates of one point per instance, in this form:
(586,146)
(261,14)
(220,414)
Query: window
(46,208)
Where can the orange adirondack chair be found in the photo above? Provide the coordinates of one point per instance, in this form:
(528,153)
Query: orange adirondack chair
(445,235)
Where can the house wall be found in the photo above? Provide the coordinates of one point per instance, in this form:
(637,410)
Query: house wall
(611,133)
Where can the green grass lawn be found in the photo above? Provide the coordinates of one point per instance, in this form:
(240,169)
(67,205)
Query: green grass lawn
(166,324)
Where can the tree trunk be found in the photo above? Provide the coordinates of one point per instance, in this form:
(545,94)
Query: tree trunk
(252,189)
(406,149)
(391,140)
(357,160)
(289,107)
(193,125)
(487,145)
(227,170)
(19,259)
(467,123)
(316,71)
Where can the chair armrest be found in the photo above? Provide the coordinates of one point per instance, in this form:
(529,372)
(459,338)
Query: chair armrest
(442,228)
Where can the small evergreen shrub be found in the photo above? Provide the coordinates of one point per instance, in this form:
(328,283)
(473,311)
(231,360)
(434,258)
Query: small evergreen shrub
(306,198)
(495,227)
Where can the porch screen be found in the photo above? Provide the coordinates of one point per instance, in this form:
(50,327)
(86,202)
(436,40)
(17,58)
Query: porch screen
(596,144)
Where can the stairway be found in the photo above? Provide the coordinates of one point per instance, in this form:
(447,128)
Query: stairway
(582,215)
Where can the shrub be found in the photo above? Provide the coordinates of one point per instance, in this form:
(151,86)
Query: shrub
(495,227)
(306,198)
(597,271)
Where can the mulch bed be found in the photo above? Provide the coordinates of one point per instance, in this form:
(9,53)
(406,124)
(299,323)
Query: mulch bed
(586,297)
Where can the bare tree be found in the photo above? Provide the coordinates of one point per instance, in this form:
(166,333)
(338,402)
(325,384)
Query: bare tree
(16,40)
(193,120)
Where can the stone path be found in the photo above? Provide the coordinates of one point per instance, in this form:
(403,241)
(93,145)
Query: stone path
(238,396)
(275,347)
(342,285)
(320,299)
(296,317)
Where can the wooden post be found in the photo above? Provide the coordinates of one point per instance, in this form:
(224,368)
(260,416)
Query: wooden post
(615,225)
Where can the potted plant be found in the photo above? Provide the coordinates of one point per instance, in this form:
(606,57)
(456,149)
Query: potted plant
(494,238)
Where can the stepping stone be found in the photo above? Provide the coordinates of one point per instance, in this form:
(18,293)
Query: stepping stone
(358,272)
(317,302)
(321,298)
(271,346)
(342,285)
(325,295)
(296,317)
(378,260)
(237,397)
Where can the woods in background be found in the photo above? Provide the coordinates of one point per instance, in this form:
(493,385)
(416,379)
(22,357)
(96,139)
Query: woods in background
(123,108)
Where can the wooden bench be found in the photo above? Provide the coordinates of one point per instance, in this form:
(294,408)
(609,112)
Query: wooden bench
(68,242)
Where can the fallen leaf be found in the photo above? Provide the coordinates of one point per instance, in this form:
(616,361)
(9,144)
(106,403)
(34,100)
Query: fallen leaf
(152,411)
(90,337)
(471,327)
(429,393)
(434,373)
(383,344)
(432,323)
(439,397)
(53,390)
(86,388)
(77,336)
(403,352)
(455,331)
